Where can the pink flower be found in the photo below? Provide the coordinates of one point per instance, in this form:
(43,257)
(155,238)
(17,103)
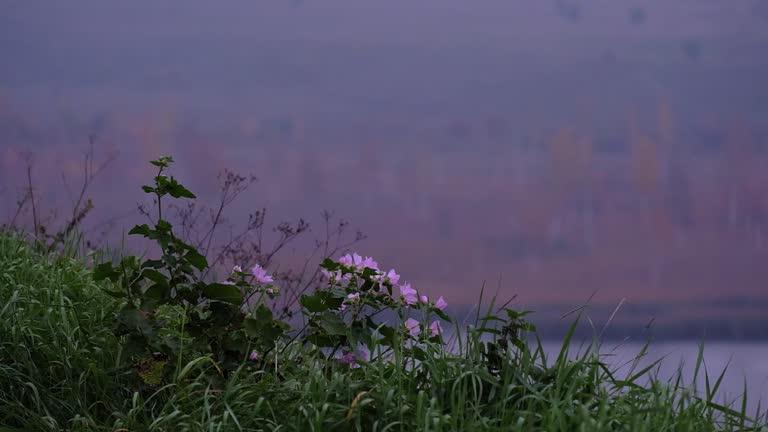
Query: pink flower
(368,262)
(254,356)
(351,357)
(336,277)
(351,298)
(390,277)
(357,261)
(413,327)
(424,299)
(363,352)
(435,328)
(441,303)
(261,275)
(351,260)
(237,269)
(408,294)
(348,358)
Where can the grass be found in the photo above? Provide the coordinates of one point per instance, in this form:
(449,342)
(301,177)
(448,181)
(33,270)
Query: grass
(61,369)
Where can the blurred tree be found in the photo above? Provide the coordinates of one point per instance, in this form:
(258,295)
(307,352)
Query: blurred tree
(637,16)
(692,49)
(569,10)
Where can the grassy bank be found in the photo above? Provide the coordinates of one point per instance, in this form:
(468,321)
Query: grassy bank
(62,368)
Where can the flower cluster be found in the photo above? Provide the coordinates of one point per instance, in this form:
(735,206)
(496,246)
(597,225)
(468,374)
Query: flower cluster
(259,275)
(361,277)
(357,263)
(413,327)
(351,358)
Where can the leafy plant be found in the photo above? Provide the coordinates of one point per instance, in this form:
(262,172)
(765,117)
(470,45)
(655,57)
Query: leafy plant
(346,315)
(214,317)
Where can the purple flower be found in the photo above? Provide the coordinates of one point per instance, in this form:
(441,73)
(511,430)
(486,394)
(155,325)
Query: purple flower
(408,294)
(424,299)
(261,275)
(270,291)
(441,303)
(237,269)
(254,356)
(228,282)
(413,327)
(435,328)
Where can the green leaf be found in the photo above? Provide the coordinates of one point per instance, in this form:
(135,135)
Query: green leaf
(320,301)
(148,189)
(197,259)
(162,234)
(105,271)
(162,162)
(222,314)
(263,314)
(330,264)
(179,191)
(132,318)
(513,314)
(171,344)
(157,292)
(332,324)
(262,326)
(156,264)
(163,226)
(173,187)
(360,334)
(369,273)
(116,294)
(367,285)
(252,327)
(322,340)
(223,293)
(234,342)
(271,333)
(441,314)
(418,353)
(283,325)
(142,229)
(129,262)
(488,330)
(387,333)
(135,346)
(492,318)
(155,276)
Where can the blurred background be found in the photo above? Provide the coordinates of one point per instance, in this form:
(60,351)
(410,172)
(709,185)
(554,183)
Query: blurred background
(560,151)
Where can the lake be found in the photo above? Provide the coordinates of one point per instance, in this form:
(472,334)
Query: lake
(744,361)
